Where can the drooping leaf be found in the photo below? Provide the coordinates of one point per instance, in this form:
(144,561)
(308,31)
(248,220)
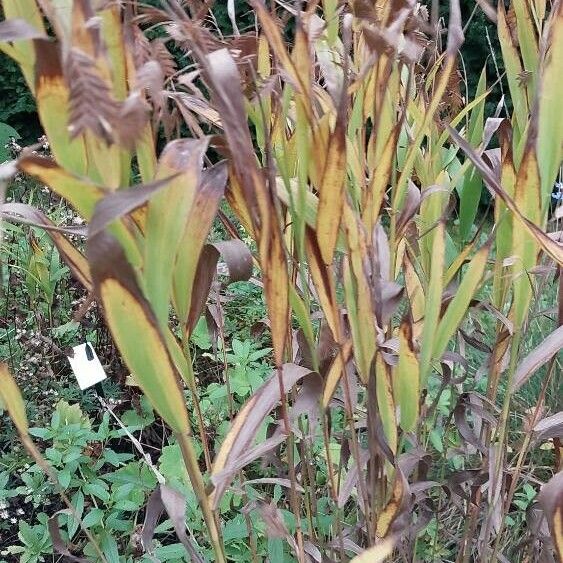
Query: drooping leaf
(16,29)
(540,355)
(238,259)
(248,420)
(551,247)
(377,553)
(162,499)
(135,330)
(74,259)
(391,518)
(551,500)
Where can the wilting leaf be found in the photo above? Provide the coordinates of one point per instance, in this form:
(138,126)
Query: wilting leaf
(121,203)
(165,498)
(12,400)
(69,253)
(551,247)
(538,357)
(248,420)
(238,258)
(332,187)
(17,29)
(385,401)
(463,427)
(389,520)
(335,372)
(81,193)
(551,500)
(135,330)
(406,381)
(58,543)
(258,198)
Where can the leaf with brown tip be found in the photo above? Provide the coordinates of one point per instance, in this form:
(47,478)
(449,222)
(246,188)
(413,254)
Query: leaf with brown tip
(135,330)
(167,215)
(201,216)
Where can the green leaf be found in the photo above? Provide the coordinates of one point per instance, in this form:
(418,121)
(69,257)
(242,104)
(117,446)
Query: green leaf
(93,518)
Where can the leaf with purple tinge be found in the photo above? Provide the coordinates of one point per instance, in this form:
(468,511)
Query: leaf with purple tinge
(551,500)
(16,29)
(162,499)
(238,259)
(135,330)
(248,420)
(538,357)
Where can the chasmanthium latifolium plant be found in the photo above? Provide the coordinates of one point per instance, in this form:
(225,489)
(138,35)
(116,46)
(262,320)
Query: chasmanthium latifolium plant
(336,137)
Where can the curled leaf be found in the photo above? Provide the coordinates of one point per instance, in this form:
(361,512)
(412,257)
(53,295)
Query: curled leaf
(250,417)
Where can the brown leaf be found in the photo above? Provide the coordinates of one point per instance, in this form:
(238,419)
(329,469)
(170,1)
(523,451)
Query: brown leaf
(538,357)
(549,427)
(58,543)
(463,427)
(162,499)
(122,202)
(250,417)
(551,500)
(238,259)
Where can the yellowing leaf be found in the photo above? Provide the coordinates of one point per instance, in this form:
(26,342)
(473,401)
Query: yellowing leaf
(335,372)
(167,218)
(331,194)
(135,330)
(12,400)
(385,401)
(406,381)
(376,554)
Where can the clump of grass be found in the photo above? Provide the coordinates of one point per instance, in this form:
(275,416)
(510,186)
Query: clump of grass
(352,168)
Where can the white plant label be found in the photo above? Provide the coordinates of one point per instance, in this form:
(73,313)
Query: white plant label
(86,366)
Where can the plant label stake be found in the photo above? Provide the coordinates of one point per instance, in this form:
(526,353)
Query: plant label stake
(87,367)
